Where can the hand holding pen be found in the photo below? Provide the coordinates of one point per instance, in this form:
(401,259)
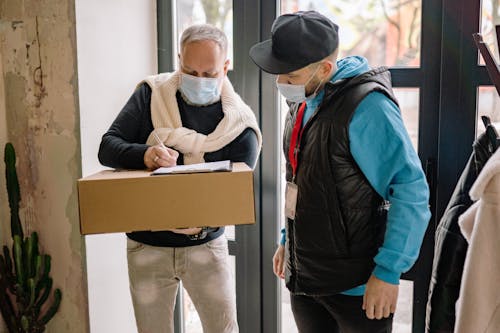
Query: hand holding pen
(160,155)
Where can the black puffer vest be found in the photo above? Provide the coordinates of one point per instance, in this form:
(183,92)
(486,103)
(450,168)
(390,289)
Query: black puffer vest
(339,223)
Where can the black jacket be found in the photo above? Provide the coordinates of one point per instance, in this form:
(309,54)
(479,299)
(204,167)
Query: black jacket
(451,246)
(338,226)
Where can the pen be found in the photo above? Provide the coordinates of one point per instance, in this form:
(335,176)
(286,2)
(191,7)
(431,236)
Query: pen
(159,141)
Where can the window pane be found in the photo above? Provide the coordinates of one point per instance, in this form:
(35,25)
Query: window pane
(490,16)
(287,321)
(230,232)
(488,104)
(408,99)
(216,12)
(404,309)
(386,32)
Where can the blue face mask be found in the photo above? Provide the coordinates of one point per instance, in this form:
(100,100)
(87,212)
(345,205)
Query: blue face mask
(200,90)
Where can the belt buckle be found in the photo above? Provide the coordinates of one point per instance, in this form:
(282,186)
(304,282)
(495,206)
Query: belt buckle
(199,236)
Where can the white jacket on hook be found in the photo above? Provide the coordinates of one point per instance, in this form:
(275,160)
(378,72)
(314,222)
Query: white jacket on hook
(478,306)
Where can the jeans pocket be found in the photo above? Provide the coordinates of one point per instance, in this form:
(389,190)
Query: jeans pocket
(133,246)
(218,247)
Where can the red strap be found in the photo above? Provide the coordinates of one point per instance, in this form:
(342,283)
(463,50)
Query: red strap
(296,131)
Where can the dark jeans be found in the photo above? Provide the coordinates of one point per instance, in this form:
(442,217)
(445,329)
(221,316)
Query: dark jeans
(335,314)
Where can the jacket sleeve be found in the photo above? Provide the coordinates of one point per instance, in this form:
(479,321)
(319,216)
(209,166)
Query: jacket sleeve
(383,150)
(123,145)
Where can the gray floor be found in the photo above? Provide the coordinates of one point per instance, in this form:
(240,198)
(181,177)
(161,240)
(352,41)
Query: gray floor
(402,318)
(108,289)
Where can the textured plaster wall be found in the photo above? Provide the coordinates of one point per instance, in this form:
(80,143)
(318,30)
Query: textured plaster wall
(39,114)
(4,229)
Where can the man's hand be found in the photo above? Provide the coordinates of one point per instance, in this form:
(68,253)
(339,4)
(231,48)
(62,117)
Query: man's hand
(380,298)
(279,262)
(157,156)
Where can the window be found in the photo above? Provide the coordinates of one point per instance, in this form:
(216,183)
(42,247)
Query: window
(490,16)
(408,99)
(386,32)
(488,104)
(216,12)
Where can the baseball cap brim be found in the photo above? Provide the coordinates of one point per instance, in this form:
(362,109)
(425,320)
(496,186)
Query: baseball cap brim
(262,55)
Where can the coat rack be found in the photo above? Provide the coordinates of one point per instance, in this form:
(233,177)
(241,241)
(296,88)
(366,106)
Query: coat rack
(491,64)
(491,133)
(494,74)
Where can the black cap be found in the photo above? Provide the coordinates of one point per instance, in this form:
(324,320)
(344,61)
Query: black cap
(297,40)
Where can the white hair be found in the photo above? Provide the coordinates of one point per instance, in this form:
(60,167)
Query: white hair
(200,32)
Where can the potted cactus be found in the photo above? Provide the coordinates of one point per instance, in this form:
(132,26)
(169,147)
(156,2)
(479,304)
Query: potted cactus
(25,284)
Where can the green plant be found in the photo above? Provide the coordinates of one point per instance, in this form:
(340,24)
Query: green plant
(25,285)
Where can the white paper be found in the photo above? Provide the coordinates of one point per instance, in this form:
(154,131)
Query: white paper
(195,168)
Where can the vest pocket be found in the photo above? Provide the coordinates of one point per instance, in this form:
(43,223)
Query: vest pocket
(339,234)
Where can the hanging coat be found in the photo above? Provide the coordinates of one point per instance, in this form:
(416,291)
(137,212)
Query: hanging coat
(478,306)
(451,246)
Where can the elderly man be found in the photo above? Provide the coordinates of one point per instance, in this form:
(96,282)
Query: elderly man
(196,116)
(348,154)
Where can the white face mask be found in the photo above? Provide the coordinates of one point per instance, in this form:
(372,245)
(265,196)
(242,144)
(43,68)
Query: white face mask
(296,93)
(200,90)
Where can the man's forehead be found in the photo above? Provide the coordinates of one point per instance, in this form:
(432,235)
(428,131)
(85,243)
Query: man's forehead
(206,70)
(298,72)
(204,43)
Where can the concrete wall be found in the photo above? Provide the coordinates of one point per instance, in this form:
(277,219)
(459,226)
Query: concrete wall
(116,49)
(4,215)
(40,109)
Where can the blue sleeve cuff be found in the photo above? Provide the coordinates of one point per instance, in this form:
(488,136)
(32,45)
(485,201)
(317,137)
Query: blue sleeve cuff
(283,237)
(386,275)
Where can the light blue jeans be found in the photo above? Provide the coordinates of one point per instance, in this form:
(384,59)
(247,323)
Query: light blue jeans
(155,272)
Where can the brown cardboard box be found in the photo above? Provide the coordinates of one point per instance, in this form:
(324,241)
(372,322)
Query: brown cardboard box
(125,201)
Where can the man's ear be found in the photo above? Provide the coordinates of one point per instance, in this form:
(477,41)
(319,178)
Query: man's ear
(226,66)
(326,68)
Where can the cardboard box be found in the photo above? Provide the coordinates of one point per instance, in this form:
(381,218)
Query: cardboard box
(126,200)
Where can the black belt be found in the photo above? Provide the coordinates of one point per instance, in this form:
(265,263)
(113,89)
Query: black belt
(203,233)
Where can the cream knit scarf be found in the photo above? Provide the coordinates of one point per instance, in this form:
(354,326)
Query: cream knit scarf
(193,145)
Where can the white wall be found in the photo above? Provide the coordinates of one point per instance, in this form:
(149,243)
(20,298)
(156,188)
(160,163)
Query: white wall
(116,45)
